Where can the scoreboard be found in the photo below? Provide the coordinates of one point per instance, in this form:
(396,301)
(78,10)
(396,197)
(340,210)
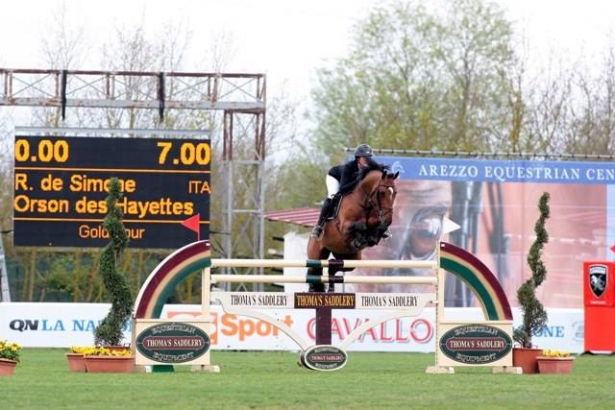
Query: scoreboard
(61,184)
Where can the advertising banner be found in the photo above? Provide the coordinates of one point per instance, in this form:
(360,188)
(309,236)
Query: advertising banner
(495,202)
(73,324)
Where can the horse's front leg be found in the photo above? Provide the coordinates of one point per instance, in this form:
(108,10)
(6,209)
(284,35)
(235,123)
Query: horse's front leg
(376,228)
(373,240)
(356,232)
(376,234)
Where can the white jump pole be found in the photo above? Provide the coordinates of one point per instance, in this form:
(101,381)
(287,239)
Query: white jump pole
(302,263)
(406,280)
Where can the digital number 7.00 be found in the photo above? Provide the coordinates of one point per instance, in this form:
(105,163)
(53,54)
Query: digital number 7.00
(190,153)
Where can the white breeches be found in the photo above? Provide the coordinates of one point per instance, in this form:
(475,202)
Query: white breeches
(333,186)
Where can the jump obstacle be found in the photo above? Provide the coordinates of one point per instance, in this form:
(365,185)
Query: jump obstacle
(479,343)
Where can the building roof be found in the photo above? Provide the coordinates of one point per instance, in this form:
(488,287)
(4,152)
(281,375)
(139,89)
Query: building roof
(306,217)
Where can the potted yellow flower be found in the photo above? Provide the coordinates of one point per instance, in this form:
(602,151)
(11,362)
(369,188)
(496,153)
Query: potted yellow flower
(555,361)
(9,357)
(76,358)
(102,359)
(95,359)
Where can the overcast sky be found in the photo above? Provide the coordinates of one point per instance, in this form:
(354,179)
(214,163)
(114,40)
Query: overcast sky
(285,39)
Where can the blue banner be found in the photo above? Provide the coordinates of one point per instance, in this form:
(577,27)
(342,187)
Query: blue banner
(495,204)
(457,169)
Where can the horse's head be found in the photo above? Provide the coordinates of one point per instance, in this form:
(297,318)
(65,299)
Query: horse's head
(365,213)
(381,191)
(387,191)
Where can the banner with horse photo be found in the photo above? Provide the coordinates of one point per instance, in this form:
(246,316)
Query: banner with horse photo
(495,203)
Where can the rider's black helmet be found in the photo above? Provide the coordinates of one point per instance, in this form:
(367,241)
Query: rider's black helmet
(363,150)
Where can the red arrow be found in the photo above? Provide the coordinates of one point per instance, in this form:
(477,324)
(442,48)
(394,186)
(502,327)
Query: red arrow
(193,223)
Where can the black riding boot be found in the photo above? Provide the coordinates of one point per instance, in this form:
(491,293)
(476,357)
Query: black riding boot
(324,213)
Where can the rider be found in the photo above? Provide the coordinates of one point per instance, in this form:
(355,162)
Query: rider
(344,176)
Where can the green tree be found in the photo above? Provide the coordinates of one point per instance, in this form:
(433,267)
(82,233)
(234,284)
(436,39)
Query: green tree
(591,128)
(109,331)
(421,78)
(534,315)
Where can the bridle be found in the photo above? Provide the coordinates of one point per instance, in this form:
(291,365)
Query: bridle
(373,200)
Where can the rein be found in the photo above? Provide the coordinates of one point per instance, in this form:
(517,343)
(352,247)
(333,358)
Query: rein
(369,204)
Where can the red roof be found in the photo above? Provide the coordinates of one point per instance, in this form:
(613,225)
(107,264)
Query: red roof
(299,216)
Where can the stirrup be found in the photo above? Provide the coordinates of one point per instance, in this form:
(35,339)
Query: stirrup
(317,232)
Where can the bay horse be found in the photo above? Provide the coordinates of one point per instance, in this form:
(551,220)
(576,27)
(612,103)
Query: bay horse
(362,216)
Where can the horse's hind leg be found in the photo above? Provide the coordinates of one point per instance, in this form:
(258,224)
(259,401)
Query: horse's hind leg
(332,272)
(315,287)
(314,251)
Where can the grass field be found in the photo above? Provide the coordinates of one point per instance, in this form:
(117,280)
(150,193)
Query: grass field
(272,380)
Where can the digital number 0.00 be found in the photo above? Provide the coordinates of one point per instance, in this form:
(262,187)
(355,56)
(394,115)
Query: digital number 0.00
(43,151)
(189,153)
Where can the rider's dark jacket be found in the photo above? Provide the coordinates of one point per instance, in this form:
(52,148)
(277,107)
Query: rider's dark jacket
(348,174)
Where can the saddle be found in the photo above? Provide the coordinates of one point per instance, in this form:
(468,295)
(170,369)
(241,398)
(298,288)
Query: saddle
(334,209)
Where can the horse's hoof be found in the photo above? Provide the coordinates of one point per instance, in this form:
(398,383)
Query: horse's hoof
(316,288)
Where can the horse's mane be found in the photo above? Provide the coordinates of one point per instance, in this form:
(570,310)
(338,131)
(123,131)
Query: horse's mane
(372,166)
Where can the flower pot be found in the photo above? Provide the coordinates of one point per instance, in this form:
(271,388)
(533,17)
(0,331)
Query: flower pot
(526,359)
(7,367)
(109,364)
(555,364)
(76,362)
